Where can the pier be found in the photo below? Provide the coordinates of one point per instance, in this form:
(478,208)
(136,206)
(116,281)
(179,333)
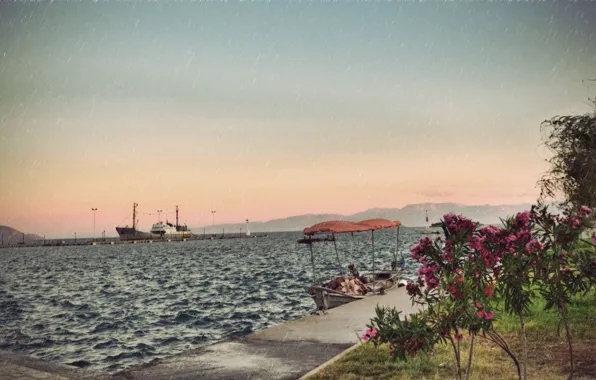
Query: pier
(282,352)
(113,241)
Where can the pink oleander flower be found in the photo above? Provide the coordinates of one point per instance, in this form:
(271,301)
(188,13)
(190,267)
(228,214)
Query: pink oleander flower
(480,314)
(489,230)
(534,246)
(477,243)
(490,315)
(489,290)
(412,288)
(433,283)
(458,223)
(369,334)
(522,219)
(454,291)
(524,236)
(459,337)
(584,211)
(419,248)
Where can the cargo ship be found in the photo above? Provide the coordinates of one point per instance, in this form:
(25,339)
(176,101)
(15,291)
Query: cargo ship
(159,230)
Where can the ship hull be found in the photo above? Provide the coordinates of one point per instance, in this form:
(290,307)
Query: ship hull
(128,233)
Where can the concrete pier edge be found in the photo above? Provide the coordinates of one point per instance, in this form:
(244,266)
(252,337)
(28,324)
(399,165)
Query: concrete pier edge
(15,366)
(329,362)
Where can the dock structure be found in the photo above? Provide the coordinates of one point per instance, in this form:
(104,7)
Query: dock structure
(286,351)
(79,242)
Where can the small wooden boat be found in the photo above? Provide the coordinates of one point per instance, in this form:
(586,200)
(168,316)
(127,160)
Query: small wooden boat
(353,287)
(326,298)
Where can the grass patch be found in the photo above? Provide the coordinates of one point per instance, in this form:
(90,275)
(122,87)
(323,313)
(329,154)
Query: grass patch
(547,351)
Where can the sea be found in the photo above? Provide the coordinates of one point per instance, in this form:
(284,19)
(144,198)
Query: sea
(108,307)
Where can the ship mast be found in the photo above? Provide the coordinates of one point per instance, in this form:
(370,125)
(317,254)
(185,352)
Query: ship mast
(176,217)
(134,215)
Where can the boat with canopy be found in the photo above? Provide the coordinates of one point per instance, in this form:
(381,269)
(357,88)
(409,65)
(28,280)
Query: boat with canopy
(344,289)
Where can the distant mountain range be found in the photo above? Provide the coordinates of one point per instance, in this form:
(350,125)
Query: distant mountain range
(9,235)
(410,215)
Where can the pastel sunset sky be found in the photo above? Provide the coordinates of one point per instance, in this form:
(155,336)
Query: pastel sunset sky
(271,109)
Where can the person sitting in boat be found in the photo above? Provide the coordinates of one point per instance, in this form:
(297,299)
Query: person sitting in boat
(354,273)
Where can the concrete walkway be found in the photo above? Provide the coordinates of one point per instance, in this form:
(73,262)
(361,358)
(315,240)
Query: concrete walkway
(285,351)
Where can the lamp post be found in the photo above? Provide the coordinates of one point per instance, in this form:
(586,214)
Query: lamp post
(159,215)
(94,209)
(213,218)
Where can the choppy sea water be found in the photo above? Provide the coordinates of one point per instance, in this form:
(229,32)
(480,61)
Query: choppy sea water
(110,307)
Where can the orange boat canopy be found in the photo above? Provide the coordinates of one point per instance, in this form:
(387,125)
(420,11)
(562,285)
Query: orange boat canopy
(340,226)
(378,224)
(335,226)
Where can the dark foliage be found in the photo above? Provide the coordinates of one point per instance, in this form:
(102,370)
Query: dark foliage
(572,140)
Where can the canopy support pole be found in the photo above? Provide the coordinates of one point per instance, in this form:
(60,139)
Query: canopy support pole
(403,261)
(312,261)
(372,234)
(336,252)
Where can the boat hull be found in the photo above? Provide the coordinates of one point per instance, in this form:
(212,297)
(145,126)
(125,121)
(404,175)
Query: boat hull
(326,298)
(129,233)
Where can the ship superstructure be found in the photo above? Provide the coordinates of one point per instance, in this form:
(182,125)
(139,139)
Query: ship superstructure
(161,229)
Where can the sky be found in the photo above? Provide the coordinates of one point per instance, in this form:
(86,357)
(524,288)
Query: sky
(264,110)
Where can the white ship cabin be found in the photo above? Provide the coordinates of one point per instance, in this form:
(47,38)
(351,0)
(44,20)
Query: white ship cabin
(162,229)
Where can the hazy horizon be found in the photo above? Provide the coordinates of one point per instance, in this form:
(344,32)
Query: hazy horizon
(263,110)
(256,226)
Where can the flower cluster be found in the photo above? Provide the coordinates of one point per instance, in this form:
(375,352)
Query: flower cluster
(482,313)
(370,333)
(413,288)
(457,224)
(419,249)
(534,246)
(429,272)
